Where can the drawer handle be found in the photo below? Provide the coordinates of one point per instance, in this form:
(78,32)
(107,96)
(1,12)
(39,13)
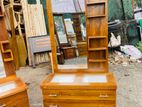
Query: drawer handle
(53,105)
(103,96)
(53,95)
(3,105)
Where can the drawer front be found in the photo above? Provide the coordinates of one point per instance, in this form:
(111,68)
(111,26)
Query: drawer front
(82,95)
(79,105)
(70,50)
(17,100)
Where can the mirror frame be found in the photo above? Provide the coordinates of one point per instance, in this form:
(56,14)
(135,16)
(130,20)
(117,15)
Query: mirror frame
(53,44)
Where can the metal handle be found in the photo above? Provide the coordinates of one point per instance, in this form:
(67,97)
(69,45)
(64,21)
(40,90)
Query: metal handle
(103,96)
(3,105)
(53,105)
(52,95)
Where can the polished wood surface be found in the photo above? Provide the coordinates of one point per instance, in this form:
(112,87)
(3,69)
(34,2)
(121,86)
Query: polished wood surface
(79,92)
(15,97)
(8,64)
(97,34)
(52,34)
(78,83)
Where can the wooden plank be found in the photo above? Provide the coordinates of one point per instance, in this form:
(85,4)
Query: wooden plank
(34,22)
(13,41)
(52,35)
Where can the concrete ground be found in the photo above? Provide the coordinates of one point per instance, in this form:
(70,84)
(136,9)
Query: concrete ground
(129,80)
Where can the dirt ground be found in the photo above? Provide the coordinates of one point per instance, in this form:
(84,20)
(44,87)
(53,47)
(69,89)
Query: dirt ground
(129,80)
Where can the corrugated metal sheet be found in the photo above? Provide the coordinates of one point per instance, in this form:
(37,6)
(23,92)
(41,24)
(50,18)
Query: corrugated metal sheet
(63,6)
(82,5)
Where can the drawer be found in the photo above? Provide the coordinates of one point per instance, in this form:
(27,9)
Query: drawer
(79,95)
(17,100)
(79,104)
(69,50)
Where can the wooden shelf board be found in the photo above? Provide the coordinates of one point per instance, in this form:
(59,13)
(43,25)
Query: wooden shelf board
(97,16)
(99,60)
(8,60)
(93,3)
(97,37)
(97,49)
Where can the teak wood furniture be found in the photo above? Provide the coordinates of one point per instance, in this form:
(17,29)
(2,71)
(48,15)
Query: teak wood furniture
(69,52)
(92,87)
(13,92)
(97,34)
(5,47)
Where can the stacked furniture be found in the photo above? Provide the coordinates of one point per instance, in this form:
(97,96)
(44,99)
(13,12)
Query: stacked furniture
(90,87)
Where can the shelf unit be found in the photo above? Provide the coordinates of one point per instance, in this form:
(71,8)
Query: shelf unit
(6,51)
(5,48)
(97,34)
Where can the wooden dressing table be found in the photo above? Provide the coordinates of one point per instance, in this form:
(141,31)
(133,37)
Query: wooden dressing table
(83,87)
(13,91)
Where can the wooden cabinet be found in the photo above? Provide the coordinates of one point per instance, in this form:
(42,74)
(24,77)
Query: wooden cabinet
(13,93)
(69,52)
(82,48)
(83,89)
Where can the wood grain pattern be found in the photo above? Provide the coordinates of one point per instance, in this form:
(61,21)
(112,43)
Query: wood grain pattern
(16,97)
(97,34)
(9,65)
(52,34)
(78,91)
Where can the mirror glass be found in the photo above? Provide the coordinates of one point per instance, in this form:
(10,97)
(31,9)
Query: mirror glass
(2,70)
(70,29)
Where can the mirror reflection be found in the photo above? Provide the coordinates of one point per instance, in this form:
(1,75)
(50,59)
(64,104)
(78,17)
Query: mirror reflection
(70,30)
(2,71)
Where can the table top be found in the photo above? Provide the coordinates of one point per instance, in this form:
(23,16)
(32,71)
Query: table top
(79,81)
(11,85)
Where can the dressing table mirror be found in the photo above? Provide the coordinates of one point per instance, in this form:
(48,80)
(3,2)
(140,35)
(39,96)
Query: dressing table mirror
(85,85)
(70,29)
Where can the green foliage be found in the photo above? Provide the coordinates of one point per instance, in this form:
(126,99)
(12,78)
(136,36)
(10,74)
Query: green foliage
(139,46)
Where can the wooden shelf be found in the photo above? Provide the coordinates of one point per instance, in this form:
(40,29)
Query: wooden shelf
(97,37)
(5,46)
(97,16)
(92,60)
(93,3)
(97,49)
(1,16)
(8,56)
